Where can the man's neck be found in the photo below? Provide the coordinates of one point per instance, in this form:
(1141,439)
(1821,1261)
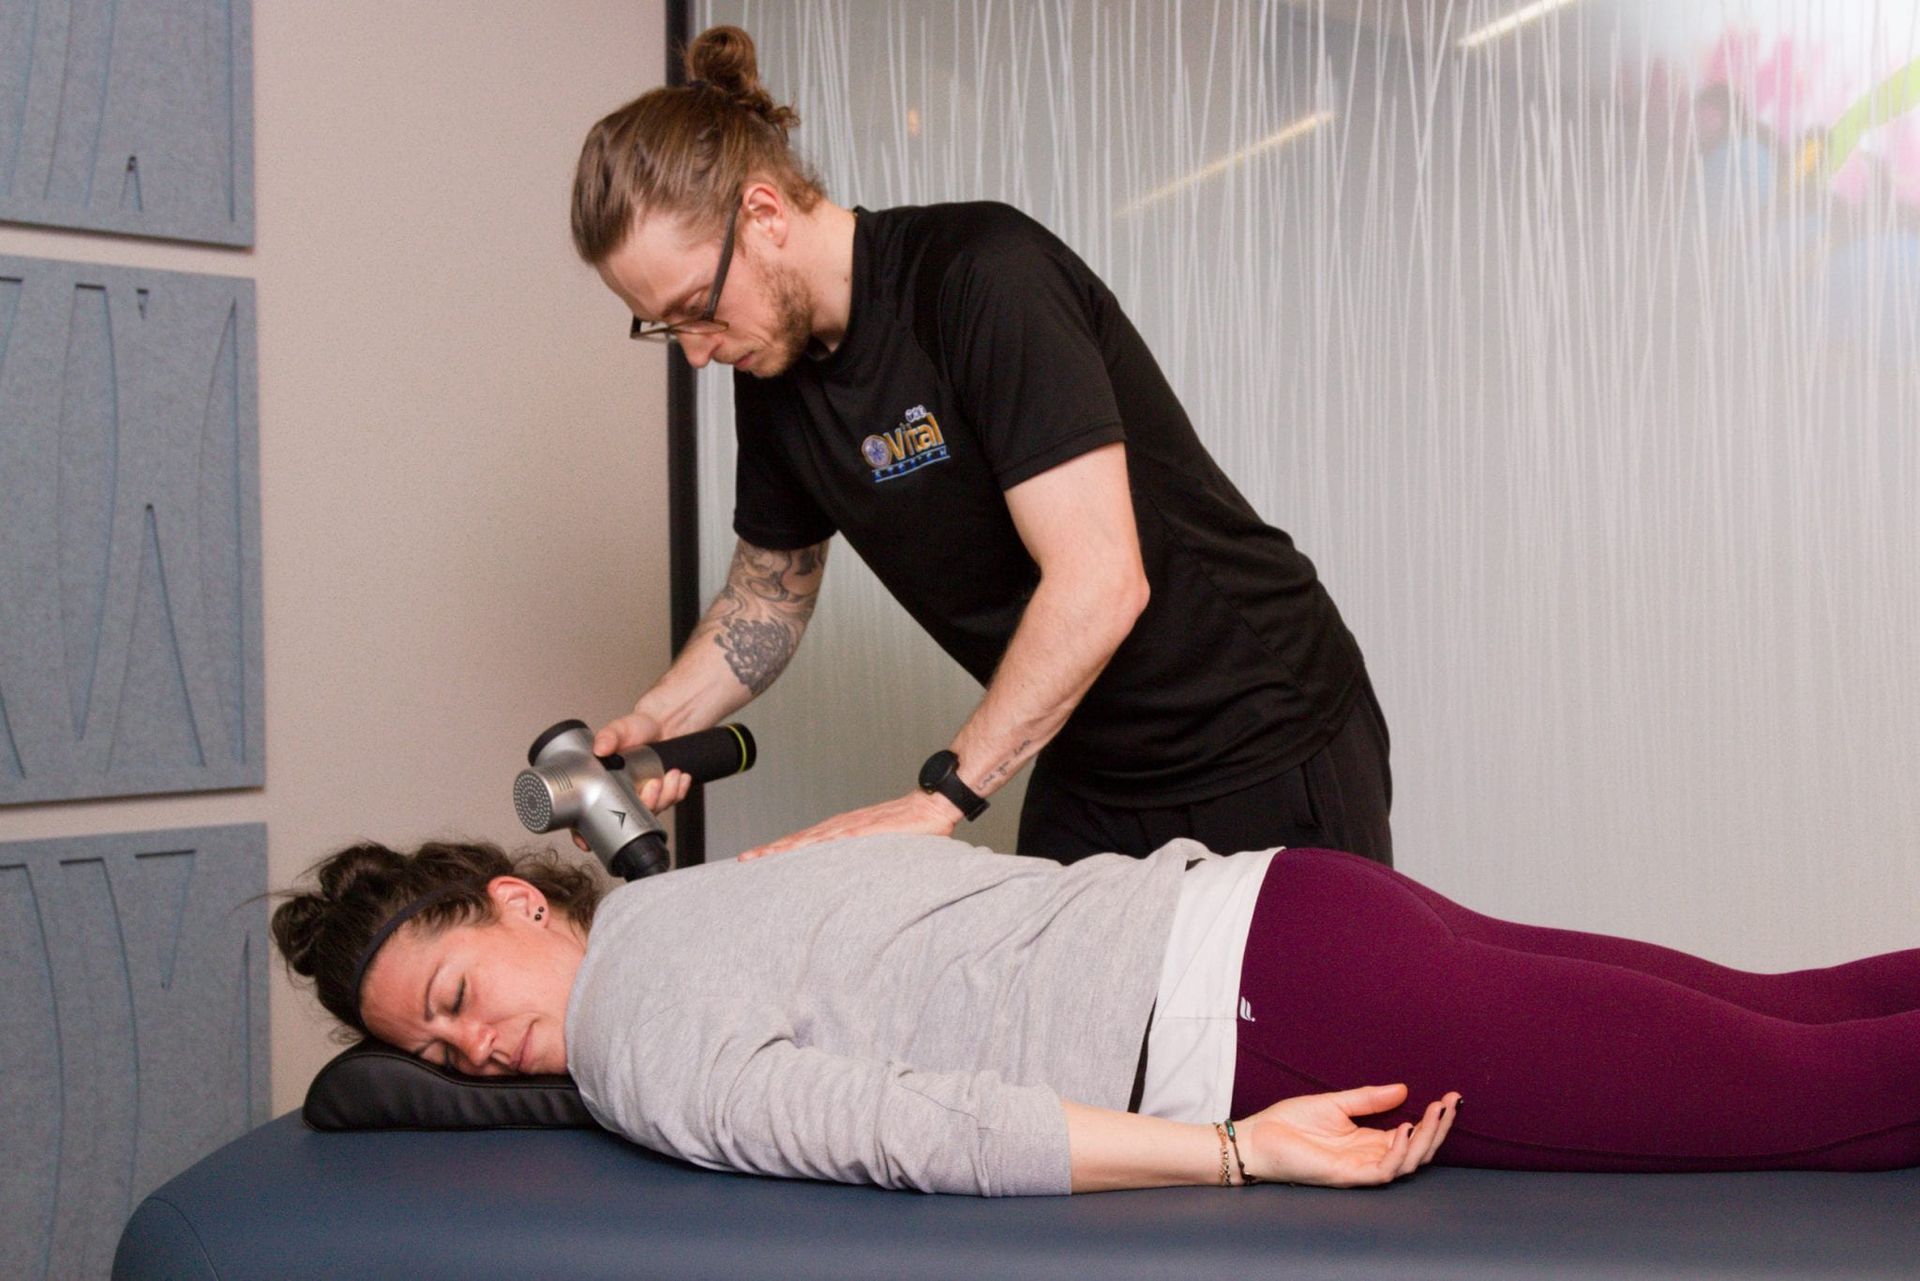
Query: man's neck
(829,272)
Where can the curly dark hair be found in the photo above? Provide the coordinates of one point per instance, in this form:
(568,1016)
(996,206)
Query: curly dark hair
(321,932)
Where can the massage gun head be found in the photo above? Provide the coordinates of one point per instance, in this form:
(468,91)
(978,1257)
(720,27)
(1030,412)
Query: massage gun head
(533,802)
(566,785)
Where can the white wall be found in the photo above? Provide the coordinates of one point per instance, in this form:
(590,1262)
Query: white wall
(462,456)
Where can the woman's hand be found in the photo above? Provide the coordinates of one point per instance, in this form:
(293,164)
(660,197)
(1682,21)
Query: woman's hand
(1313,1138)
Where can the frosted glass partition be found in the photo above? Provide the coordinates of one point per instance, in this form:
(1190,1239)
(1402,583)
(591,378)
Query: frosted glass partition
(1578,352)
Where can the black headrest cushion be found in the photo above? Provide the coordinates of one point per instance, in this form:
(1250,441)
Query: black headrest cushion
(374,1086)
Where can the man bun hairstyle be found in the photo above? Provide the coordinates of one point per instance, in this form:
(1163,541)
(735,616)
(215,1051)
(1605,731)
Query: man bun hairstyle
(321,932)
(723,58)
(686,150)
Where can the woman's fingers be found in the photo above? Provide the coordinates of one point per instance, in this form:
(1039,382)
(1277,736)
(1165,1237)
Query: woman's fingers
(1368,1100)
(1406,1150)
(1399,1143)
(1409,1145)
(1426,1137)
(1452,1109)
(1420,1141)
(1392,1162)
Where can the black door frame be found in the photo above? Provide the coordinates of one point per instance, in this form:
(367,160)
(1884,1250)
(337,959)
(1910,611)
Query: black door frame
(683,492)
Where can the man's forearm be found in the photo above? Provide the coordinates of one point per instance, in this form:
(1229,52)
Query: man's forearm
(1069,631)
(1077,523)
(744,641)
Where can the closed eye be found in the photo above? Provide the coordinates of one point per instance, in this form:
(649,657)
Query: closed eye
(439,1053)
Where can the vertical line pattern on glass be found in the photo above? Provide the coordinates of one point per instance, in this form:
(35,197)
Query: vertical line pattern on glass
(1589,391)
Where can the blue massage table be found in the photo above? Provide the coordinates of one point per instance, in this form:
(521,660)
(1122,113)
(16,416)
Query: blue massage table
(287,1202)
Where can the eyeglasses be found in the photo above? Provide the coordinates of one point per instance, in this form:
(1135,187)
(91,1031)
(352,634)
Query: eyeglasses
(704,323)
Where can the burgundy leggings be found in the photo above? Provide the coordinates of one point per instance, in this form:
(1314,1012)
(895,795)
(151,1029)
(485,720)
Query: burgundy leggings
(1571,1051)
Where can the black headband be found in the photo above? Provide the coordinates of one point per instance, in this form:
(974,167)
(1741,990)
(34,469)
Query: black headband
(399,918)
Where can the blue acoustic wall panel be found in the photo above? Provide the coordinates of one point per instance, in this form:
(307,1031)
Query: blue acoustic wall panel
(130,628)
(128,115)
(133,1028)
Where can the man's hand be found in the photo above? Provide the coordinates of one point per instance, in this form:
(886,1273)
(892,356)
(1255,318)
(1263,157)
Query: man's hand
(637,729)
(740,646)
(1313,1138)
(914,812)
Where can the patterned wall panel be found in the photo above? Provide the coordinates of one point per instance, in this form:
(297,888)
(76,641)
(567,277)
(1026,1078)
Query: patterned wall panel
(1575,344)
(130,628)
(128,115)
(133,1028)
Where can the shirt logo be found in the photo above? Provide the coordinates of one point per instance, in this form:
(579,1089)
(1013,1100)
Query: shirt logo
(914,444)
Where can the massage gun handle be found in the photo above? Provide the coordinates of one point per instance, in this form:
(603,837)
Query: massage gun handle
(706,755)
(710,754)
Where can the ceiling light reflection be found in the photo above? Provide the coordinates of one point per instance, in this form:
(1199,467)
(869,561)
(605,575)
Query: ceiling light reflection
(1279,138)
(1512,22)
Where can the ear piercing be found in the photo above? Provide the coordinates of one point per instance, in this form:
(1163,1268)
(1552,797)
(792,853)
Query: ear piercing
(539,912)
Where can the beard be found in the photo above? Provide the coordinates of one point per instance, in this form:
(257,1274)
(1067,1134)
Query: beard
(792,323)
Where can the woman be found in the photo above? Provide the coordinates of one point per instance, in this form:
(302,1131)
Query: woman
(909,1011)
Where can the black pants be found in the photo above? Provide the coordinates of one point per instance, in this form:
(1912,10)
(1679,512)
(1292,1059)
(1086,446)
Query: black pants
(1338,798)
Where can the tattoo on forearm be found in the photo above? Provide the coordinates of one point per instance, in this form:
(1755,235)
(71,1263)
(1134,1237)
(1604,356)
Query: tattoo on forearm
(759,616)
(756,650)
(763,574)
(999,773)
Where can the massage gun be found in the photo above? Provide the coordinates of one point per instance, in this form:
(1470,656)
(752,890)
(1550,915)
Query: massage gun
(598,796)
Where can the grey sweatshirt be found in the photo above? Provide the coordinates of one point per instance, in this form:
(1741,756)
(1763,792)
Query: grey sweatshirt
(900,1010)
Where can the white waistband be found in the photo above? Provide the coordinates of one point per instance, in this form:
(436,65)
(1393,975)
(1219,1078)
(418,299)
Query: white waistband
(1193,1042)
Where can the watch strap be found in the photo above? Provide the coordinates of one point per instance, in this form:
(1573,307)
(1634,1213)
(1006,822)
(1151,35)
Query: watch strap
(947,782)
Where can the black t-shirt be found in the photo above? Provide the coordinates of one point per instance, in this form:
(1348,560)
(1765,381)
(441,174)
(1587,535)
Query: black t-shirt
(981,352)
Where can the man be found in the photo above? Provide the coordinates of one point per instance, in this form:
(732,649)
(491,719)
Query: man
(954,391)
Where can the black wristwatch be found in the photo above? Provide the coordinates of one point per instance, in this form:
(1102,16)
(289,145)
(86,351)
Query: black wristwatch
(941,774)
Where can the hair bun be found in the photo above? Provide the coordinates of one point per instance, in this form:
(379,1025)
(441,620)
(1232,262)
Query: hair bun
(341,874)
(296,929)
(724,58)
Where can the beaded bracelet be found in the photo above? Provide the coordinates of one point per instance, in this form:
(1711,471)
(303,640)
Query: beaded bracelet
(1245,1178)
